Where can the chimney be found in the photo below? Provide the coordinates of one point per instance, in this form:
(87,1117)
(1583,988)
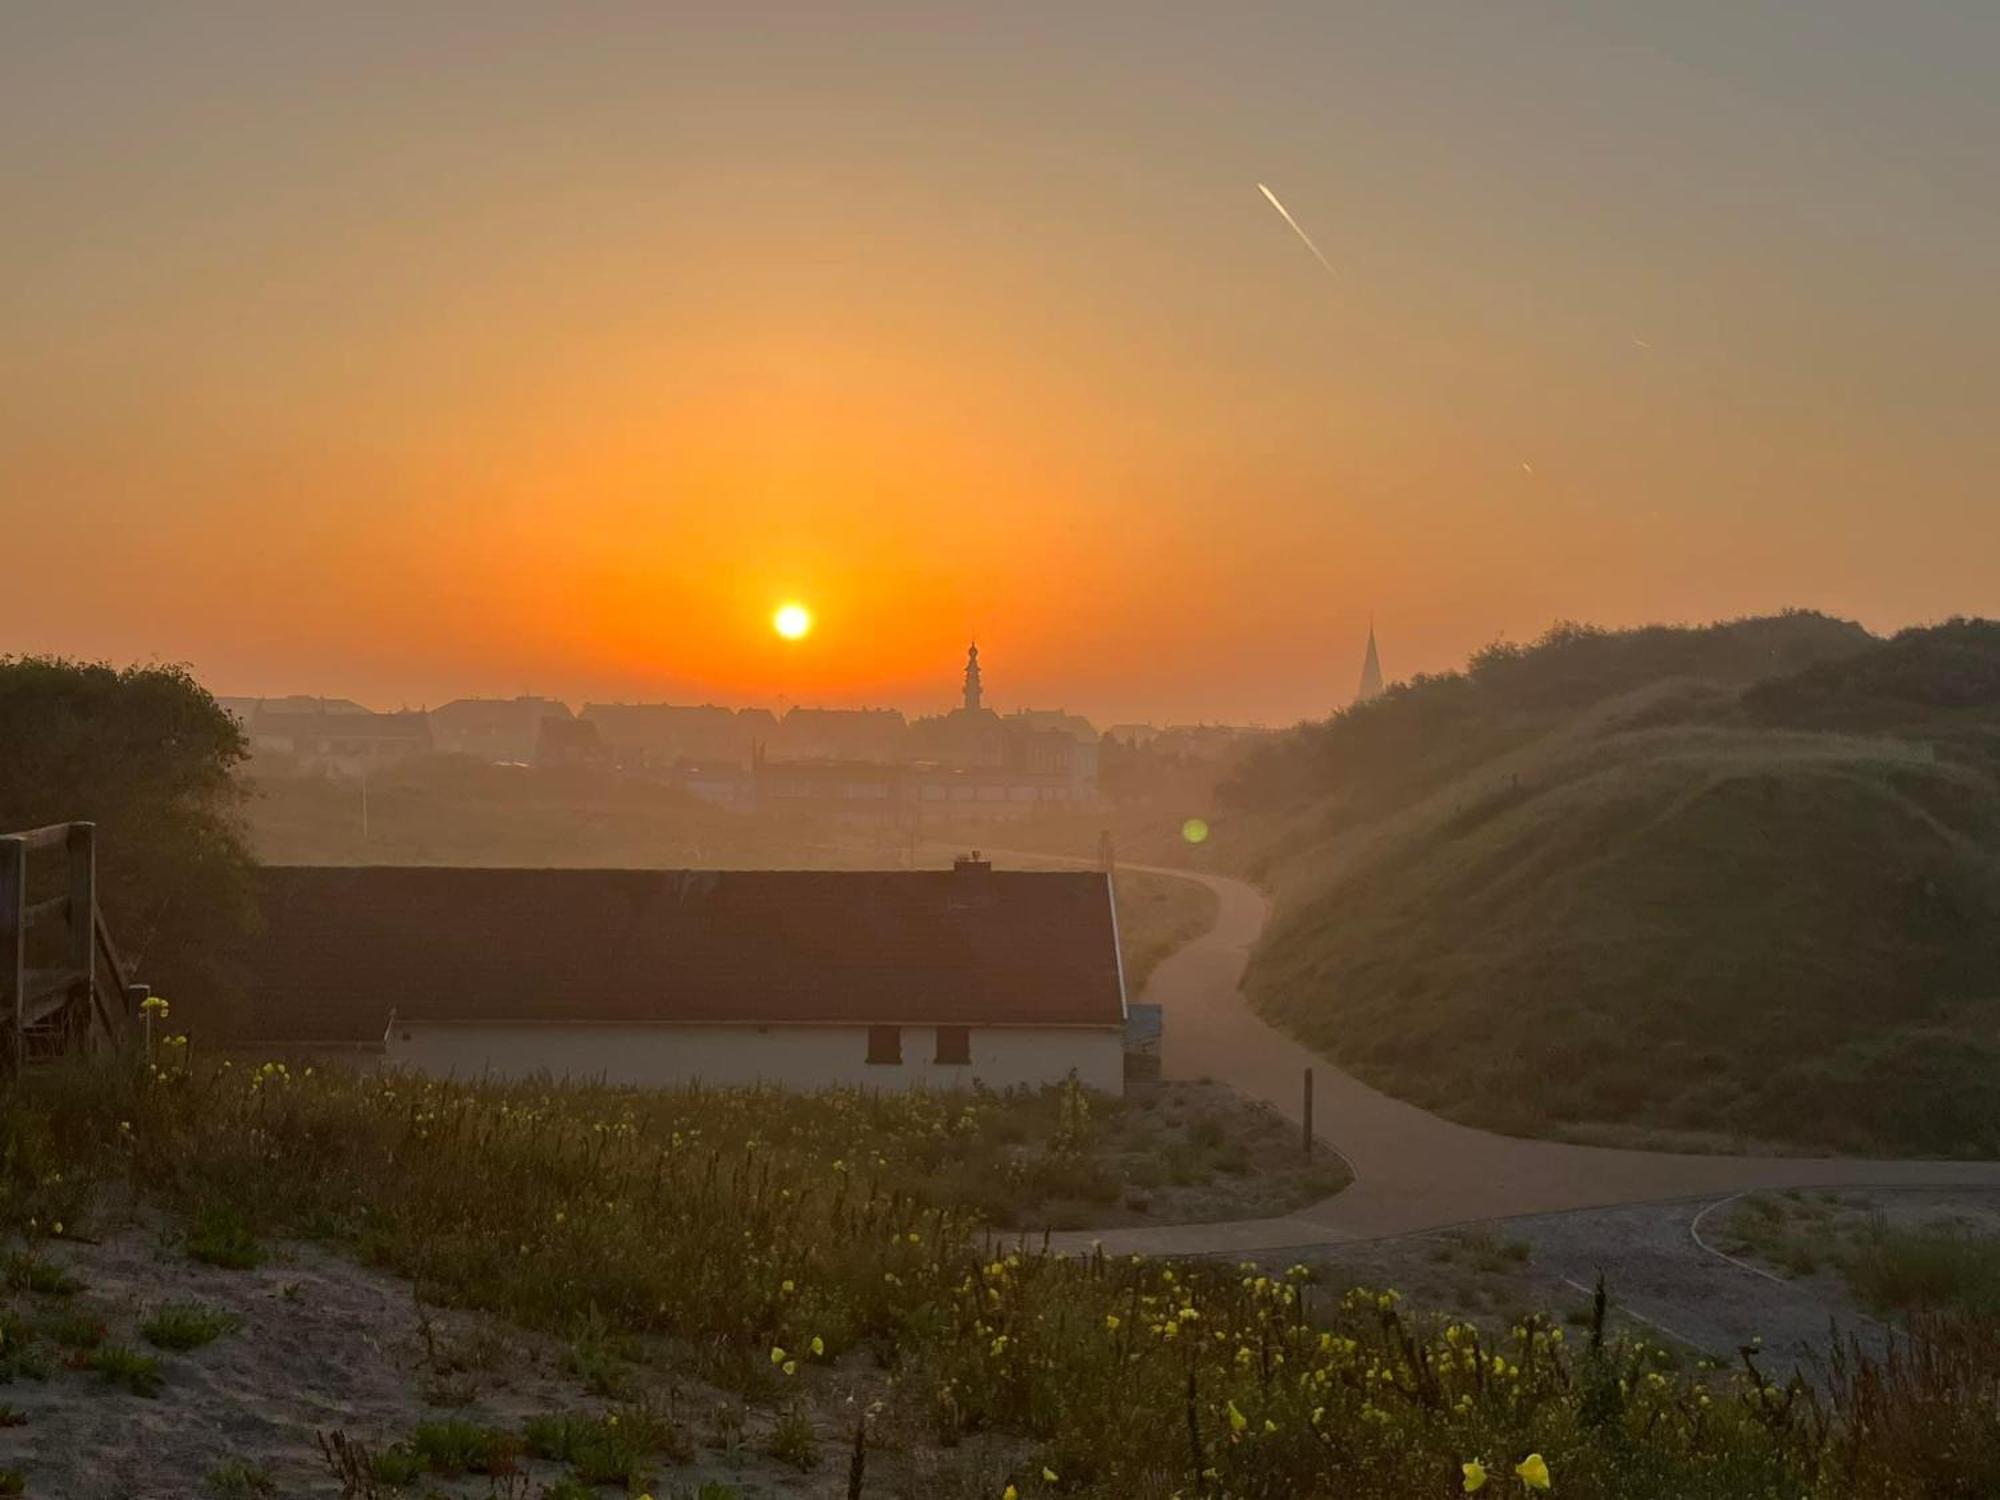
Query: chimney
(971,882)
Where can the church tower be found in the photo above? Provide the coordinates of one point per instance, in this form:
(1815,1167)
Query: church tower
(1371,671)
(972,679)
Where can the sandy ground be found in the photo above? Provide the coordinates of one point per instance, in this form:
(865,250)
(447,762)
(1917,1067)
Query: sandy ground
(325,1345)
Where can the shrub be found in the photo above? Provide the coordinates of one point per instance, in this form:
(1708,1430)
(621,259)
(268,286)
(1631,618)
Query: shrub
(234,1479)
(73,1328)
(136,1372)
(181,1326)
(1935,1267)
(793,1439)
(219,1235)
(454,1447)
(30,1273)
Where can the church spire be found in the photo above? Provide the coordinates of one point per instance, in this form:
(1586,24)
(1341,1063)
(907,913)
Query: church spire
(972,678)
(1371,671)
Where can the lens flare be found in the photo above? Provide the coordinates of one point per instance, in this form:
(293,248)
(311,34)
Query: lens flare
(792,621)
(1195,830)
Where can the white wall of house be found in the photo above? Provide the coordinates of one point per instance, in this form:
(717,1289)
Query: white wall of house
(796,1057)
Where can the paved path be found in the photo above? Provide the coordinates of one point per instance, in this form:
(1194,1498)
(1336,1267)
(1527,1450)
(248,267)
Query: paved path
(1413,1170)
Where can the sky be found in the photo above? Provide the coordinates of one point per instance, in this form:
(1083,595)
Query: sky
(412,352)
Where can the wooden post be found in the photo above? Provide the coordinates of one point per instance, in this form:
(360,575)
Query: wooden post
(82,956)
(13,944)
(1309,1113)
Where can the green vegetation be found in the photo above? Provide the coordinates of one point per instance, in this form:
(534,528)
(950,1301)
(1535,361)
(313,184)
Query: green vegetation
(1156,915)
(147,755)
(219,1235)
(619,1447)
(181,1326)
(781,1243)
(1655,880)
(237,1480)
(1929,1263)
(136,1372)
(794,1440)
(31,1273)
(455,1446)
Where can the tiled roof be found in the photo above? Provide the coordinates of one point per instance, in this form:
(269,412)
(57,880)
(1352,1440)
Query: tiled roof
(343,947)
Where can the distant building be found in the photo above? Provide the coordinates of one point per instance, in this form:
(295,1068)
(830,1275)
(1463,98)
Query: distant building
(1132,736)
(805,979)
(570,742)
(1371,671)
(503,730)
(875,734)
(659,736)
(1079,761)
(335,735)
(856,792)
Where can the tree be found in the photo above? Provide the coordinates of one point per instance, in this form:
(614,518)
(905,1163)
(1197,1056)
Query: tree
(147,755)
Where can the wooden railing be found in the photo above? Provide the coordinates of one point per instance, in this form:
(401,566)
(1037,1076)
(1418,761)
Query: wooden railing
(63,986)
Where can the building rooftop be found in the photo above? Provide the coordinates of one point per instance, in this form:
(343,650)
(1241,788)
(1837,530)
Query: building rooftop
(343,948)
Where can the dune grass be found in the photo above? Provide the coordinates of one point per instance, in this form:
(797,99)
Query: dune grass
(1695,931)
(780,1243)
(1158,914)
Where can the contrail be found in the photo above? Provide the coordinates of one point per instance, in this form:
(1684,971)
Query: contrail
(1296,230)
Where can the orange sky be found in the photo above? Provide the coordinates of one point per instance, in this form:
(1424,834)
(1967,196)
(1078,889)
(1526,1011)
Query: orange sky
(485,350)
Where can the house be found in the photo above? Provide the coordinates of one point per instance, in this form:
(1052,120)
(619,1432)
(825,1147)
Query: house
(865,734)
(570,742)
(505,730)
(335,735)
(656,736)
(801,978)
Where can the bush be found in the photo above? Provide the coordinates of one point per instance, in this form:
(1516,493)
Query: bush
(454,1447)
(181,1326)
(136,1372)
(146,754)
(793,1439)
(219,1235)
(236,1480)
(1933,1267)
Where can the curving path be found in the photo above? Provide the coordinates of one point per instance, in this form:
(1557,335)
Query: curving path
(1414,1171)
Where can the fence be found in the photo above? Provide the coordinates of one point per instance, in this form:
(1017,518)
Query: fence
(63,986)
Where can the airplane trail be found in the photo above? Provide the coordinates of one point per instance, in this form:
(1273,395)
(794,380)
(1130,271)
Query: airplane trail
(1296,230)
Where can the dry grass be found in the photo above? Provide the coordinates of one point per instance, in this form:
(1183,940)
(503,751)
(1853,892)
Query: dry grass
(776,1242)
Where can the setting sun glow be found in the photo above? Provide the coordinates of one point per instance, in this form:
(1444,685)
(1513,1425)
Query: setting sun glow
(792,621)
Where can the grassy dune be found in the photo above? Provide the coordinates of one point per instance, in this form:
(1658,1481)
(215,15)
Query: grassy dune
(1156,915)
(1661,911)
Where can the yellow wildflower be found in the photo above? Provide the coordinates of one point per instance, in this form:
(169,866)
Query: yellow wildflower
(777,1355)
(1475,1475)
(1237,1421)
(1533,1472)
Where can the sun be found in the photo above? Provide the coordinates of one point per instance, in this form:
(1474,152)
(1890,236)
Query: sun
(792,621)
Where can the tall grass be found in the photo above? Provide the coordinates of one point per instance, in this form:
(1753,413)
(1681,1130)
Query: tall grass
(775,1235)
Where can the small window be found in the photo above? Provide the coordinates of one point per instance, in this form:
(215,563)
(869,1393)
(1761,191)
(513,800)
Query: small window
(885,1044)
(954,1045)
